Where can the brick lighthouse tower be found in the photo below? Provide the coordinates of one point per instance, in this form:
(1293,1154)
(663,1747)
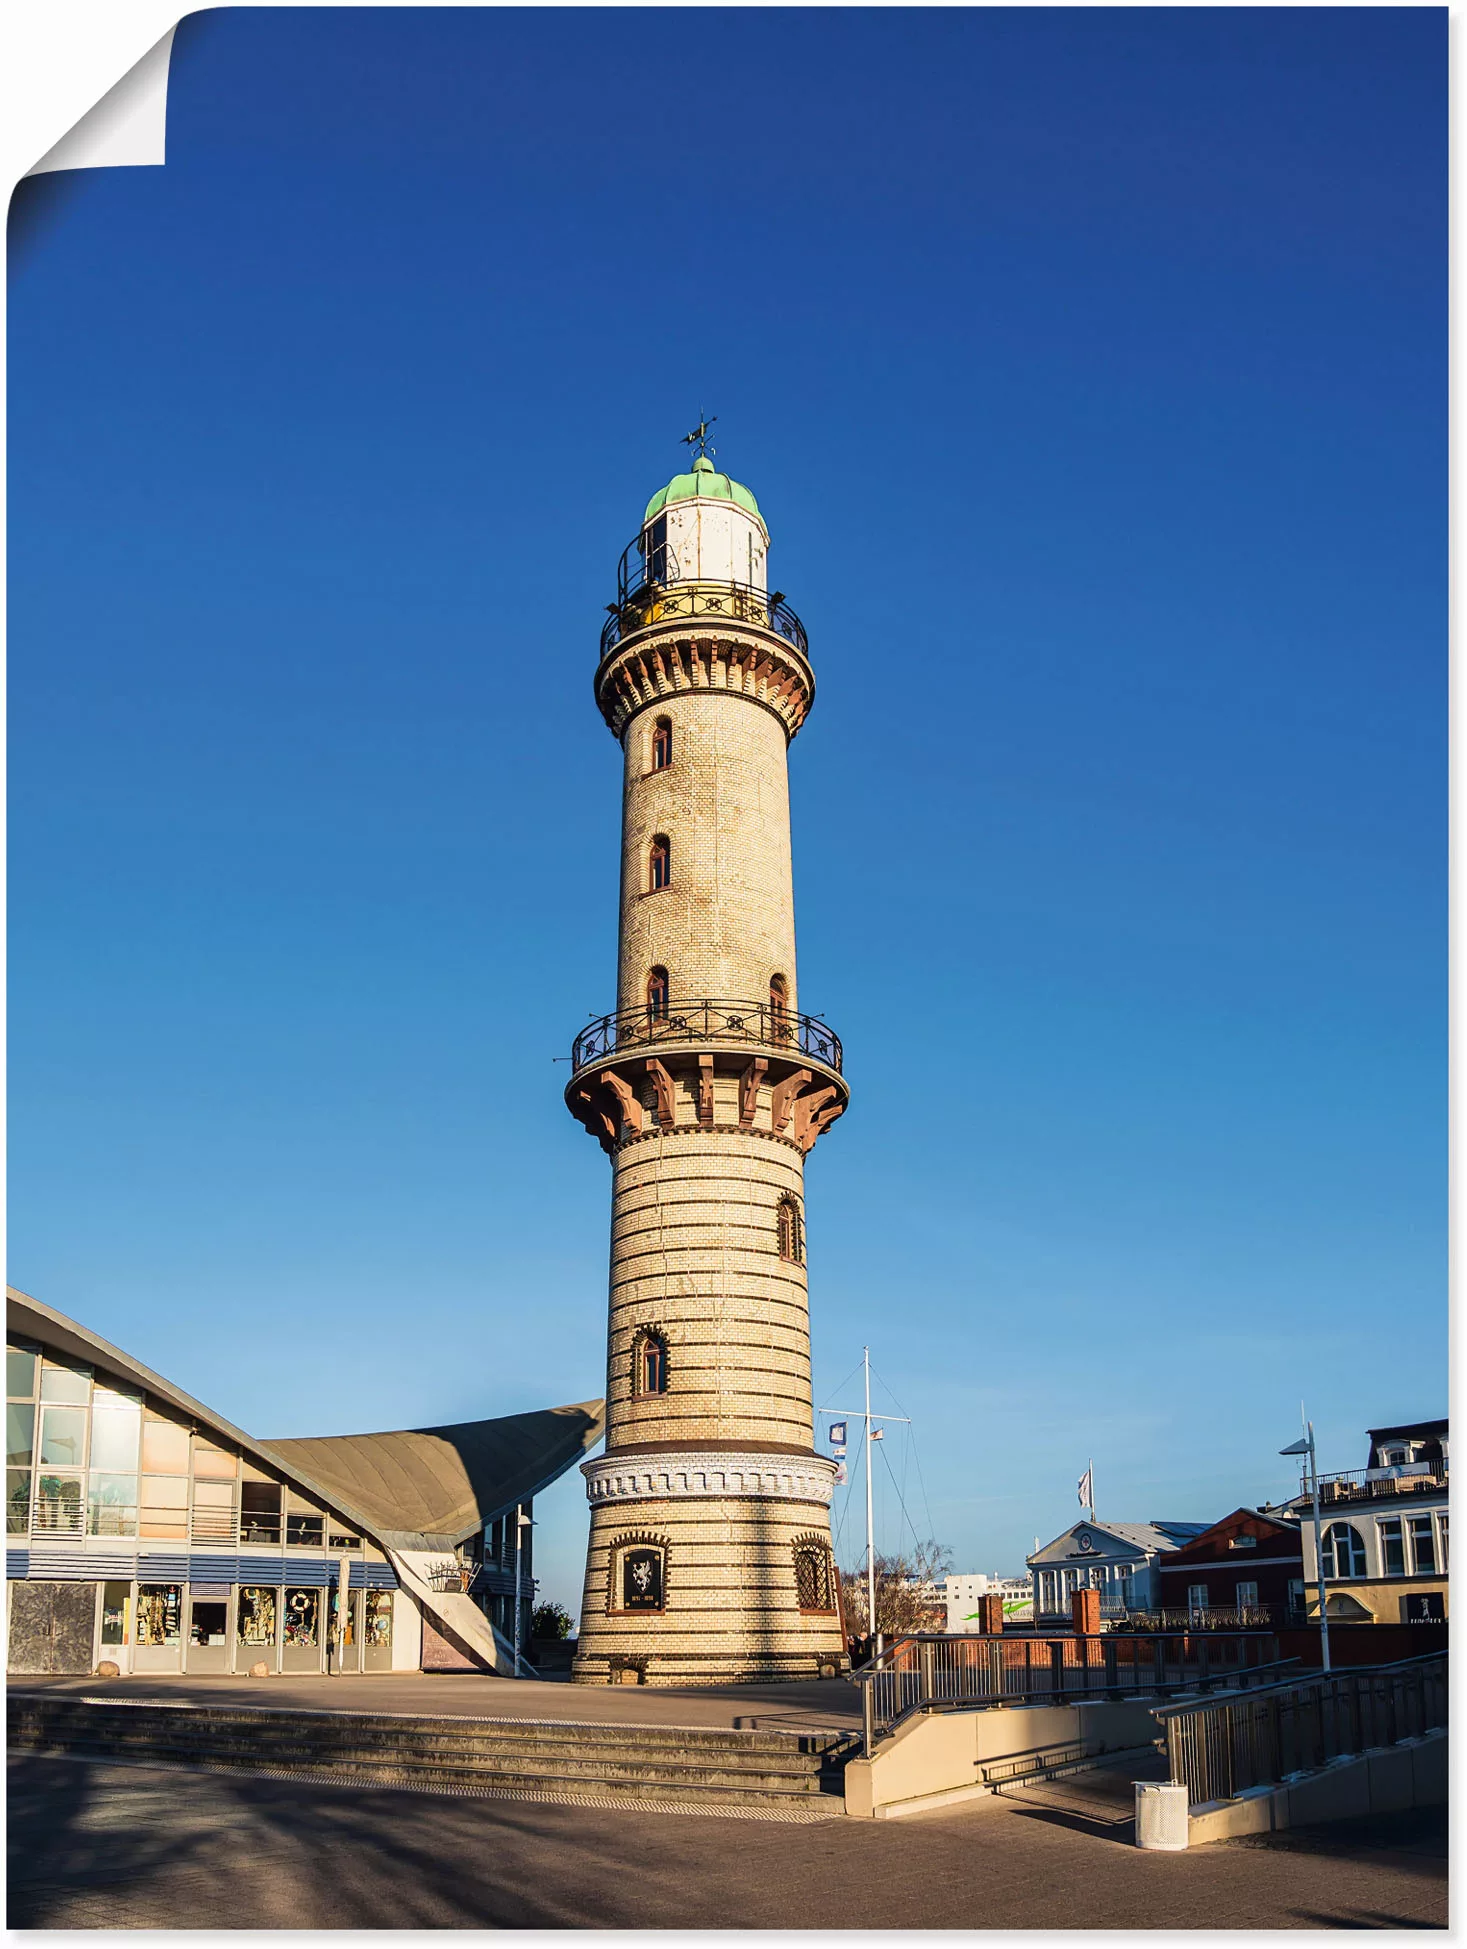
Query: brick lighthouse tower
(709,1558)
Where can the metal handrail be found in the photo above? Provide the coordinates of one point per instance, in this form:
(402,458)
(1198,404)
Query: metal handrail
(1220,1747)
(737,602)
(926,1671)
(707,1021)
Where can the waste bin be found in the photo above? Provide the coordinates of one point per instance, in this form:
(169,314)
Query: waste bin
(1161,1815)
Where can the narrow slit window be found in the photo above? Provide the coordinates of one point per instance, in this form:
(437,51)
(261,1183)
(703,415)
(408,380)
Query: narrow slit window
(659,995)
(791,1240)
(662,744)
(779,1006)
(661,875)
(650,1364)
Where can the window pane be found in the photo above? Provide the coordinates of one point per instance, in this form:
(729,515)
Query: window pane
(112,1505)
(217,1463)
(1392,1547)
(257,1616)
(1423,1546)
(65,1383)
(165,1447)
(115,1601)
(59,1503)
(115,1440)
(307,1532)
(166,1491)
(164,1506)
(20,1371)
(160,1613)
(302,1610)
(20,1433)
(114,1395)
(63,1437)
(17,1501)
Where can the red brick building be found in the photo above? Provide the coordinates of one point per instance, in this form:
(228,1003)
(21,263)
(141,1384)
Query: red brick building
(1246,1569)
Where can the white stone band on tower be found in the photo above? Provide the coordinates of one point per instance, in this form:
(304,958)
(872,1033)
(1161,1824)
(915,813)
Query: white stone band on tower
(709,1557)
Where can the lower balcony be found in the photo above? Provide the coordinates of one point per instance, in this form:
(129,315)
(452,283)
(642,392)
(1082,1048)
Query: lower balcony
(715,1065)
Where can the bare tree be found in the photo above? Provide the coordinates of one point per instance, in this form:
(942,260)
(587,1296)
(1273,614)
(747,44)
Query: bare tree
(908,1592)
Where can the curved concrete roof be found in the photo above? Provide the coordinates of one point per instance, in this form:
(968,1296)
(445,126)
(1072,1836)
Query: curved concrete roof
(442,1484)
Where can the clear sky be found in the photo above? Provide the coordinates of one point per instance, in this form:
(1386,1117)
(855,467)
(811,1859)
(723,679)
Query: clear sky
(1090,370)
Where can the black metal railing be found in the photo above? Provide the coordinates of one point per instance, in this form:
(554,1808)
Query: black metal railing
(1375,1484)
(1219,1747)
(939,1670)
(707,1021)
(737,602)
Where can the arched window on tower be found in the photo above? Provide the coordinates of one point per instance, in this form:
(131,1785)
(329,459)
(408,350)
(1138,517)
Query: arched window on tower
(649,1364)
(814,1584)
(779,1007)
(791,1232)
(661,863)
(662,744)
(659,995)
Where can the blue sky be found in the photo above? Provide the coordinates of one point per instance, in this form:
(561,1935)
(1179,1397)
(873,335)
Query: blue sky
(1090,369)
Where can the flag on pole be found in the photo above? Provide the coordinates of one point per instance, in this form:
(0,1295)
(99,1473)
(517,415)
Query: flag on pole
(837,1434)
(1087,1490)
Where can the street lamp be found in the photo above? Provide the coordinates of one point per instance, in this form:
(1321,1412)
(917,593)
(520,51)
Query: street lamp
(1305,1446)
(522,1522)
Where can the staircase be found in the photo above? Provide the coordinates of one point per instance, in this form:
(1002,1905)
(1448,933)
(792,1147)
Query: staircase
(788,1775)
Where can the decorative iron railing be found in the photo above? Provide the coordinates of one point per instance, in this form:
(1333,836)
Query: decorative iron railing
(736,602)
(707,1021)
(1219,1747)
(936,1672)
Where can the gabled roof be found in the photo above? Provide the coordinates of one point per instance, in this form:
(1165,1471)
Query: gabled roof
(1137,1536)
(1285,1525)
(416,1488)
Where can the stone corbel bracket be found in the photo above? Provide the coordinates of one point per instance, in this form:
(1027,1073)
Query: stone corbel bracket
(628,1097)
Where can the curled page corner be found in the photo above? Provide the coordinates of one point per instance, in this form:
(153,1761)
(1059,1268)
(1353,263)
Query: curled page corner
(126,127)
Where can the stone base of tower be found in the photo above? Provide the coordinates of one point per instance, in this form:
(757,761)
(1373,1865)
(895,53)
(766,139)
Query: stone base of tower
(745,1588)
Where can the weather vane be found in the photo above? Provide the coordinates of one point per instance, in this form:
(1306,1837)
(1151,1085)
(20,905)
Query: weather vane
(698,438)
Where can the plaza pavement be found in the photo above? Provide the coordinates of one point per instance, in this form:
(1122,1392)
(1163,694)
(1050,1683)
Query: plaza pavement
(830,1702)
(101,1845)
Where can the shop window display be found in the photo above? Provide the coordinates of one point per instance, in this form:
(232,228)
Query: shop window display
(256,1616)
(160,1613)
(302,1617)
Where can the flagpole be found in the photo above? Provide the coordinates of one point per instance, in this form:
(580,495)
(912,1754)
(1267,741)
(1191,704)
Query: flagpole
(870,1527)
(1090,1471)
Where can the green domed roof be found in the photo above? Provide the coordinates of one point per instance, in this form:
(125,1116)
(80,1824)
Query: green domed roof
(704,482)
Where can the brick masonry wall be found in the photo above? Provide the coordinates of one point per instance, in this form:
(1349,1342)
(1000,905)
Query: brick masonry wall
(726,923)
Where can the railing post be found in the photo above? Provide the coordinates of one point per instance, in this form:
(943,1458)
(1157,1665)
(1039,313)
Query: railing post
(868,1729)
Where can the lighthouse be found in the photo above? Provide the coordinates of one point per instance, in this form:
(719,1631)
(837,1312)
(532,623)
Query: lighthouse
(709,1558)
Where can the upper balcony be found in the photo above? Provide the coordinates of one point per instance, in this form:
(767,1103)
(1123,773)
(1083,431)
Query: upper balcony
(733,602)
(1397,1481)
(642,1031)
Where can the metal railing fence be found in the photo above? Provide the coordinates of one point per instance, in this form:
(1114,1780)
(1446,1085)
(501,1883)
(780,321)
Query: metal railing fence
(734,602)
(937,1670)
(707,1021)
(1218,1747)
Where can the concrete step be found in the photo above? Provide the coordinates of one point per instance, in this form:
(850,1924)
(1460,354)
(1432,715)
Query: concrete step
(660,1762)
